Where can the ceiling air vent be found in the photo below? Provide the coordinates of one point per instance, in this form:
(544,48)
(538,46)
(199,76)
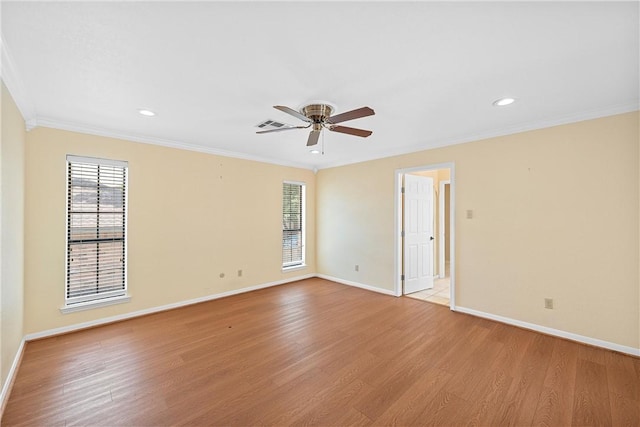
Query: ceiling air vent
(272,124)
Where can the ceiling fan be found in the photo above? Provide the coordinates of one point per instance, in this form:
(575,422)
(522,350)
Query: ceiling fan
(318,116)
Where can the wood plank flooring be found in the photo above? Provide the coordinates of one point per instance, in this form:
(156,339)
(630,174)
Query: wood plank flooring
(319,353)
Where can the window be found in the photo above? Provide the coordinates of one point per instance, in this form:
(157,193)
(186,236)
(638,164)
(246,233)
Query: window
(96,232)
(293,224)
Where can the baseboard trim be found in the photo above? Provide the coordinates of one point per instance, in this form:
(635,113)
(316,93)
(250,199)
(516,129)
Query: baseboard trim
(356,284)
(11,377)
(551,331)
(98,322)
(131,315)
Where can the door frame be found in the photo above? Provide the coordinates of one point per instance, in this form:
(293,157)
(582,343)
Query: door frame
(398,215)
(441,230)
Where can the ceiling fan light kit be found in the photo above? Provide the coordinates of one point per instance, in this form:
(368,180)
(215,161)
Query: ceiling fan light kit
(318,116)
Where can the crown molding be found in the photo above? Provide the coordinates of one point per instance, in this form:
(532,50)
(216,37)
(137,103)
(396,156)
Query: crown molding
(510,130)
(144,139)
(12,80)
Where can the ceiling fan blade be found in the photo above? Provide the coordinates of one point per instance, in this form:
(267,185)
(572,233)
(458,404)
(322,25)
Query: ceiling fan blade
(350,115)
(351,131)
(282,128)
(313,138)
(292,112)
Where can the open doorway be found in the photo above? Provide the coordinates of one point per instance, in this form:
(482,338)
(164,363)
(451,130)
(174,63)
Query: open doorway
(425,233)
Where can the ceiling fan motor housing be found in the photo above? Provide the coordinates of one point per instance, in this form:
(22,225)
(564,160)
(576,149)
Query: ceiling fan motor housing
(317,112)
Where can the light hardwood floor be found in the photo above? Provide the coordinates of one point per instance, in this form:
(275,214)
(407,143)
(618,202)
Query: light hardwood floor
(317,352)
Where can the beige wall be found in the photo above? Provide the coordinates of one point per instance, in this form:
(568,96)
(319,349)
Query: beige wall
(537,230)
(545,225)
(192,216)
(12,232)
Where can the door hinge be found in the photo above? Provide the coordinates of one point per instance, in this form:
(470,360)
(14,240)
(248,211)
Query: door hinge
(402,190)
(402,277)
(402,233)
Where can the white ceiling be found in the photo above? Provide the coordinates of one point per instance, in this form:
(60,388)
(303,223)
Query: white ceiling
(213,70)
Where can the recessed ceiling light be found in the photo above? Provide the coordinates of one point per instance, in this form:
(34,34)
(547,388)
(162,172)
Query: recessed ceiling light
(503,101)
(147,113)
(315,151)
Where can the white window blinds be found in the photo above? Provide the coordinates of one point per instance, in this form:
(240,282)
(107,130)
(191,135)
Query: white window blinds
(292,224)
(96,229)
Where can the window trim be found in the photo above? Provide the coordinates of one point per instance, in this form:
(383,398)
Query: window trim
(109,298)
(297,265)
(87,305)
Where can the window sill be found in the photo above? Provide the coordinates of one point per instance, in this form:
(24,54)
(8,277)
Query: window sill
(294,268)
(94,304)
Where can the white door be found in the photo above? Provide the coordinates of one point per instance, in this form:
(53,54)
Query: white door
(418,233)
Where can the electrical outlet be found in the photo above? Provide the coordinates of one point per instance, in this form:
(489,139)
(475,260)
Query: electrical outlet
(239,273)
(548,303)
(357,267)
(469,214)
